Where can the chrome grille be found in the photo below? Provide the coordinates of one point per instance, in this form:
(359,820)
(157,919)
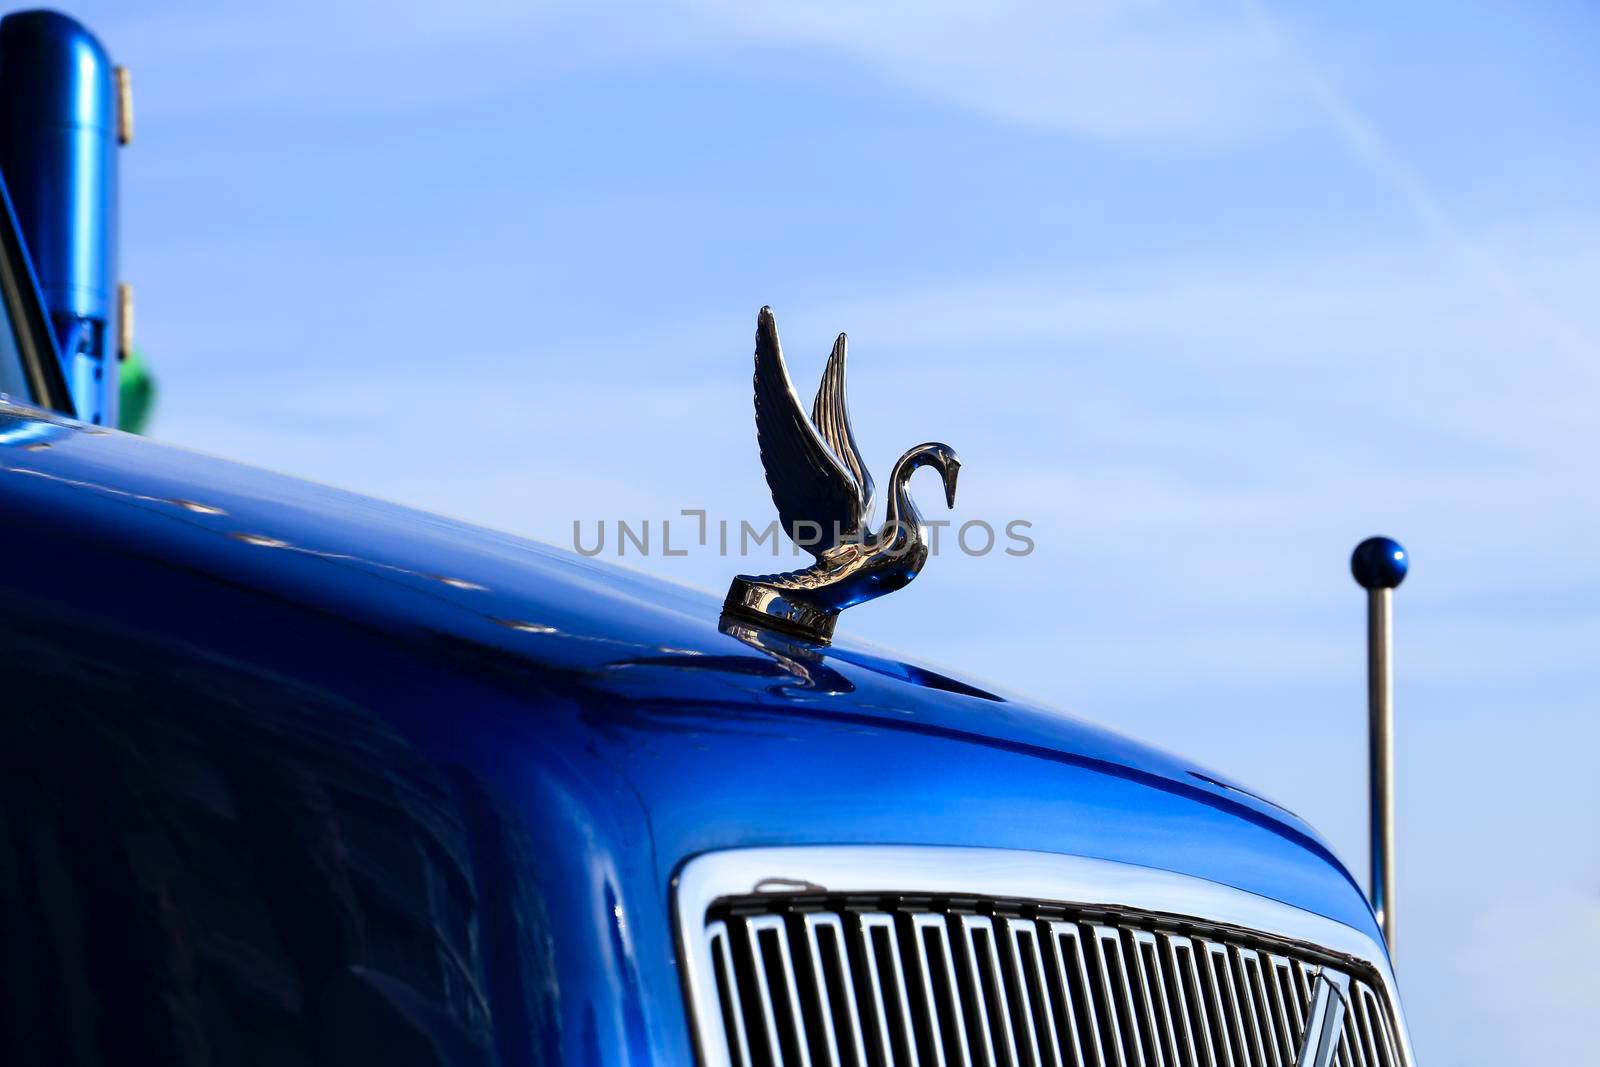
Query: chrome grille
(1004,984)
(797,974)
(816,982)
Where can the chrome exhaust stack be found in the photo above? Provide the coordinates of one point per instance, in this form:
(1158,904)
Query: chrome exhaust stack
(64,112)
(1379,566)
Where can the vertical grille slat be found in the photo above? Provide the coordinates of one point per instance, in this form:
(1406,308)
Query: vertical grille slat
(840,1019)
(1351,1045)
(1032,996)
(1286,998)
(1253,991)
(728,995)
(987,993)
(1364,1043)
(1188,1003)
(1377,1043)
(1116,999)
(1078,1012)
(1391,1047)
(1227,1009)
(1155,1002)
(878,981)
(890,1000)
(768,943)
(936,960)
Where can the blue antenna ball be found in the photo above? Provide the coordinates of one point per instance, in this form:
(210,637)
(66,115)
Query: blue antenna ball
(1379,563)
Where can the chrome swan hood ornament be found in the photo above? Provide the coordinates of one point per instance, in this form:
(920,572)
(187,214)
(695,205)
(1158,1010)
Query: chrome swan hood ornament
(824,495)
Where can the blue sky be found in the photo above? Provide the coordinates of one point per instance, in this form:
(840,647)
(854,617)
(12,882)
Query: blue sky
(1206,293)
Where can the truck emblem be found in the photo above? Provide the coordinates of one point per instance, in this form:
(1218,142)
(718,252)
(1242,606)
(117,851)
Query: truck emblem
(824,493)
(1325,1021)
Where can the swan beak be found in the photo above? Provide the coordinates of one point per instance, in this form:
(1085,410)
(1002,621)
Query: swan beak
(951,469)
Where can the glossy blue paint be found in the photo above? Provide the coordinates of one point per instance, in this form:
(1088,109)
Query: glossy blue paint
(600,714)
(1379,563)
(58,152)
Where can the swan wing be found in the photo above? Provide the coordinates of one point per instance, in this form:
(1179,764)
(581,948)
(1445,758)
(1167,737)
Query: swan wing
(808,484)
(831,416)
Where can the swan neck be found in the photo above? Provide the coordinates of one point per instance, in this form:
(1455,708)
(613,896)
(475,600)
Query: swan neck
(902,513)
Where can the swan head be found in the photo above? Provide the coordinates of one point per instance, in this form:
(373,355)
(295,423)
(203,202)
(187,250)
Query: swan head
(940,456)
(949,465)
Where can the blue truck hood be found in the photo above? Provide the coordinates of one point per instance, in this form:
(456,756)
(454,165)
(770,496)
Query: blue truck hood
(610,703)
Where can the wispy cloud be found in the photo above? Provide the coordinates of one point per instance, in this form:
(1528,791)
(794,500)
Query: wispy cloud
(1152,69)
(1360,135)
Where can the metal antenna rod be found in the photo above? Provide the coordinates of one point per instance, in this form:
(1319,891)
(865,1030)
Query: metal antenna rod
(1379,566)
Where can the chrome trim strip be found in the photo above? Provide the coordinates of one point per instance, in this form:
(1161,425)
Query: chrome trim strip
(1005,873)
